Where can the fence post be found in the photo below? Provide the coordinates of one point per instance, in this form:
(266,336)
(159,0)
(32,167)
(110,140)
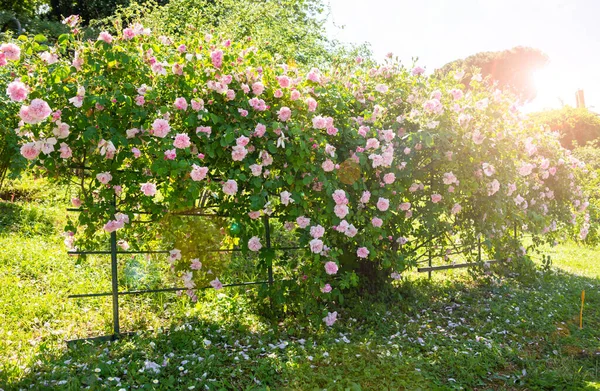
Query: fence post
(268,239)
(429,260)
(114,278)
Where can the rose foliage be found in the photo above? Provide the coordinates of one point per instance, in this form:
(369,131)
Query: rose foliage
(367,166)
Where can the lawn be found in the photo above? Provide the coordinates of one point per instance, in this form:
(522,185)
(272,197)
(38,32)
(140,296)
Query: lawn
(452,332)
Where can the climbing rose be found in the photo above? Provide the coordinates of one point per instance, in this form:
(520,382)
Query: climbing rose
(36,112)
(383,204)
(316,246)
(317,231)
(331,267)
(286,197)
(456,209)
(312,104)
(435,198)
(326,288)
(198,173)
(377,222)
(182,141)
(389,178)
(160,128)
(254,244)
(362,252)
(216,284)
(302,221)
(230,187)
(330,318)
(104,177)
(284,113)
(11,51)
(17,91)
(105,36)
(30,151)
(148,189)
(366,196)
(217,58)
(180,104)
(328,165)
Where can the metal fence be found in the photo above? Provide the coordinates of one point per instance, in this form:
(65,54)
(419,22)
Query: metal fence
(114,254)
(426,257)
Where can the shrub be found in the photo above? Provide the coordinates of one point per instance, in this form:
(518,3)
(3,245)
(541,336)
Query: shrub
(365,165)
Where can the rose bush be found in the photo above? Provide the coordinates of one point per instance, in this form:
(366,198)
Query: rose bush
(366,165)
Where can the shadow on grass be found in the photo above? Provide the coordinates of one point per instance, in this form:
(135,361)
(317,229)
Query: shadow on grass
(483,334)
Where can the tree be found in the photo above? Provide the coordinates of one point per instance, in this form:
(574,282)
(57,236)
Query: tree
(577,126)
(513,69)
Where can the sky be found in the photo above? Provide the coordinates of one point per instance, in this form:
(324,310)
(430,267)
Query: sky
(440,31)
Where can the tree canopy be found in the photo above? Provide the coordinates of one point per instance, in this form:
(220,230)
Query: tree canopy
(577,126)
(512,69)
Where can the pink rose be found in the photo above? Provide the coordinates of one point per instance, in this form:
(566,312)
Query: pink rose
(65,151)
(456,209)
(182,141)
(330,319)
(258,88)
(104,177)
(341,211)
(254,244)
(389,178)
(171,154)
(331,267)
(180,104)
(317,231)
(11,51)
(339,197)
(311,103)
(30,151)
(160,128)
(254,214)
(383,204)
(198,173)
(136,152)
(405,206)
(435,198)
(362,252)
(149,189)
(76,202)
(284,114)
(286,197)
(316,246)
(295,95)
(105,36)
(36,112)
(217,58)
(366,196)
(376,222)
(230,187)
(302,221)
(17,91)
(326,288)
(328,165)
(216,284)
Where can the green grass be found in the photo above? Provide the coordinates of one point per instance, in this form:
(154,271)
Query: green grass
(453,332)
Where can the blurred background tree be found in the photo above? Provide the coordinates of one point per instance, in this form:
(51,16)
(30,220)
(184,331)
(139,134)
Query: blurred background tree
(513,69)
(577,126)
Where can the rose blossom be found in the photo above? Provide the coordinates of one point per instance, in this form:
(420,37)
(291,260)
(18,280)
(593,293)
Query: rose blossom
(30,151)
(180,104)
(216,284)
(377,222)
(17,91)
(198,173)
(104,177)
(383,204)
(302,221)
(160,128)
(330,319)
(148,189)
(230,187)
(254,244)
(317,231)
(284,114)
(435,198)
(362,252)
(326,288)
(182,141)
(331,267)
(316,246)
